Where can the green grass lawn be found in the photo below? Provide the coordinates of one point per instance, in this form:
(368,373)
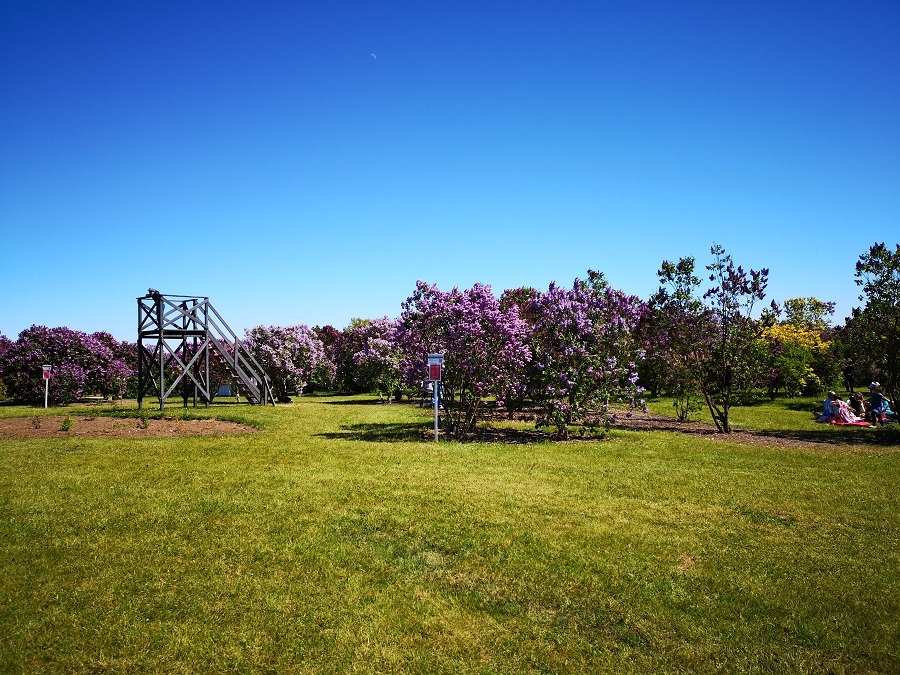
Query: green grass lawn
(335,541)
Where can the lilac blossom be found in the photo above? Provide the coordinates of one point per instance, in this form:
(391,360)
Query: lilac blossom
(379,360)
(83,365)
(485,348)
(585,352)
(290,355)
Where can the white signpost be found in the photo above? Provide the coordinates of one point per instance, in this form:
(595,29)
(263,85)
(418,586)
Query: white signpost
(435,366)
(47,369)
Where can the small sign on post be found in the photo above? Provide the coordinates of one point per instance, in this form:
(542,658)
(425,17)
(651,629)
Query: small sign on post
(435,366)
(47,368)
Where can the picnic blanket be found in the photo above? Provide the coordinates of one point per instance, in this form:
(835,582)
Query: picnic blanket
(860,423)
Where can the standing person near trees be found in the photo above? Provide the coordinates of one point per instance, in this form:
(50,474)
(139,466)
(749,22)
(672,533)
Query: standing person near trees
(849,376)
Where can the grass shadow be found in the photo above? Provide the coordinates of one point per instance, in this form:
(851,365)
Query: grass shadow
(826,434)
(803,406)
(365,401)
(390,432)
(888,436)
(393,432)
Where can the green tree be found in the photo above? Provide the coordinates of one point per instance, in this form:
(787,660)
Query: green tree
(876,327)
(810,313)
(730,364)
(675,332)
(799,355)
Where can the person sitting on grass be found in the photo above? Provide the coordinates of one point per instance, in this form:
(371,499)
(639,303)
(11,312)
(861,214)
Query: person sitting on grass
(879,406)
(857,405)
(843,414)
(828,408)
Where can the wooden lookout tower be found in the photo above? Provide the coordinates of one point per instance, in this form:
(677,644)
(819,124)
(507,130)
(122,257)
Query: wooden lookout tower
(179,338)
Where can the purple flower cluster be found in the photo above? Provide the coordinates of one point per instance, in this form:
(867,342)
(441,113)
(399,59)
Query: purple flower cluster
(83,364)
(290,355)
(485,347)
(585,354)
(378,360)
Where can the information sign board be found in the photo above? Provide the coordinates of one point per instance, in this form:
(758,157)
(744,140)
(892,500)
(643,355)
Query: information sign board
(435,364)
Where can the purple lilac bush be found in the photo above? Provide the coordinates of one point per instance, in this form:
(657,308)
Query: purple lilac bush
(290,355)
(379,360)
(5,345)
(585,353)
(83,364)
(485,348)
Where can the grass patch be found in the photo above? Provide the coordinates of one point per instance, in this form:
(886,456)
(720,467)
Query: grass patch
(336,541)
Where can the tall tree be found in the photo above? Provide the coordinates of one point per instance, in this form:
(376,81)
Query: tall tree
(808,312)
(876,327)
(797,349)
(717,344)
(676,331)
(731,300)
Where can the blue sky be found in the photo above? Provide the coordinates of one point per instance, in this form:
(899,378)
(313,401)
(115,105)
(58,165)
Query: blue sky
(305,162)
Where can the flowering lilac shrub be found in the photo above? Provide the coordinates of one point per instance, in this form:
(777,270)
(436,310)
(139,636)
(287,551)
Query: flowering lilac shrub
(380,359)
(520,389)
(349,378)
(484,348)
(585,352)
(290,355)
(111,366)
(219,372)
(82,364)
(327,374)
(5,345)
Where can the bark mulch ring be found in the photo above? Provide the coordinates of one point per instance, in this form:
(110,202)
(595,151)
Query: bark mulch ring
(54,426)
(826,439)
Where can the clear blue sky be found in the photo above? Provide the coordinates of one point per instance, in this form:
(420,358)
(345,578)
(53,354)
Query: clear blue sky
(303,162)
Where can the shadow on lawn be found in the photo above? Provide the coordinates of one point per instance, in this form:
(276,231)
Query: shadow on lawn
(803,406)
(416,432)
(828,435)
(367,401)
(858,436)
(382,432)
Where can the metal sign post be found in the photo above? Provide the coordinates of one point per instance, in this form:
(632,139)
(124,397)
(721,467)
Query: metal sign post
(47,369)
(435,366)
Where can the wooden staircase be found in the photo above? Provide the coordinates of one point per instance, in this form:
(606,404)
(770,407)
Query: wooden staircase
(177,337)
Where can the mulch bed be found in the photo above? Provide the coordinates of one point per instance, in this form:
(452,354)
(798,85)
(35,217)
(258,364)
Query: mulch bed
(641,421)
(114,427)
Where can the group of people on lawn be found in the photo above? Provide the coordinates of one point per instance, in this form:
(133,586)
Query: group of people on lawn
(857,410)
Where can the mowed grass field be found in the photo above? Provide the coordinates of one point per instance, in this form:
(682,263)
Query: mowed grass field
(338,539)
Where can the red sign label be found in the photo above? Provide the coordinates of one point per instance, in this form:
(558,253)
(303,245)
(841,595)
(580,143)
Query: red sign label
(46,374)
(434,371)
